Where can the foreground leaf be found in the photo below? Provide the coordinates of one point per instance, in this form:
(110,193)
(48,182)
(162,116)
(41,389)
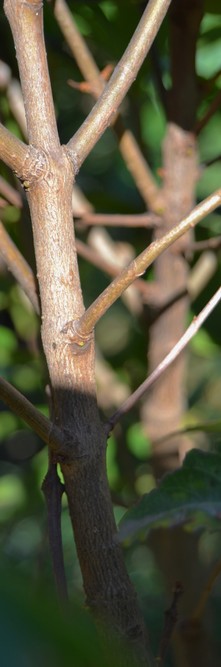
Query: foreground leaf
(193,491)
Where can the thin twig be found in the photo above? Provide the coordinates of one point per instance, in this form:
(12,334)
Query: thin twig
(128,146)
(15,99)
(111,269)
(167,361)
(138,266)
(214,243)
(53,490)
(170,621)
(122,220)
(200,607)
(206,427)
(208,163)
(19,267)
(215,105)
(35,419)
(123,76)
(12,195)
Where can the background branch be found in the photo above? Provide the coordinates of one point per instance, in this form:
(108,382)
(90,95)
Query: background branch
(12,195)
(167,361)
(128,145)
(120,220)
(137,267)
(35,419)
(124,74)
(215,105)
(92,256)
(19,268)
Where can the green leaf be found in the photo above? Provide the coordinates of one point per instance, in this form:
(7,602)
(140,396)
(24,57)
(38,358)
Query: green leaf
(193,491)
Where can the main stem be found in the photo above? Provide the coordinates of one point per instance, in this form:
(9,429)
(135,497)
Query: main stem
(108,589)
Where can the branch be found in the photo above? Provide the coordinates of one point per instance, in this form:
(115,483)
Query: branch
(53,489)
(26,161)
(170,620)
(207,427)
(214,243)
(12,195)
(111,269)
(82,329)
(13,151)
(19,267)
(147,220)
(167,361)
(15,99)
(209,113)
(128,146)
(200,607)
(26,22)
(123,76)
(35,419)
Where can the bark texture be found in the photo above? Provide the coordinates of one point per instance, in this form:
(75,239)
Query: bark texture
(49,177)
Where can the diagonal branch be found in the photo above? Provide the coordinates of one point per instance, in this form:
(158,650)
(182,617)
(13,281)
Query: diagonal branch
(123,76)
(215,105)
(128,146)
(12,151)
(22,407)
(167,361)
(136,268)
(12,195)
(206,592)
(147,220)
(19,267)
(95,258)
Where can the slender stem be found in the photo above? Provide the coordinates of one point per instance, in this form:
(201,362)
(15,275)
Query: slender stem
(215,105)
(200,607)
(170,620)
(122,220)
(35,419)
(123,76)
(137,267)
(111,269)
(128,146)
(78,47)
(15,99)
(19,267)
(53,489)
(167,361)
(12,195)
(214,243)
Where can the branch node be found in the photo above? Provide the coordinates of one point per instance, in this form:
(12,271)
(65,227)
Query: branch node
(79,343)
(35,167)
